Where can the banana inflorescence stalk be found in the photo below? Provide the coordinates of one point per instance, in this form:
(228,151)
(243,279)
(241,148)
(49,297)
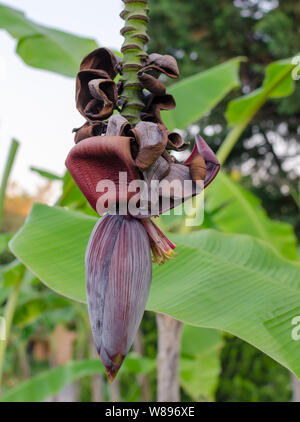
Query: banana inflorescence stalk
(135,35)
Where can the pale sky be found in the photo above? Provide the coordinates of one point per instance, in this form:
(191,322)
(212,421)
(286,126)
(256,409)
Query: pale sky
(29,110)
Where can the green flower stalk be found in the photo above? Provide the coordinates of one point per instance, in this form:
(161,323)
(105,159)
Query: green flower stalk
(135,35)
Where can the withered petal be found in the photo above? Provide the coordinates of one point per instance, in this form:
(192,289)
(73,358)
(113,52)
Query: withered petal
(155,103)
(178,173)
(102,89)
(105,97)
(118,125)
(211,161)
(152,139)
(157,171)
(164,63)
(82,90)
(151,83)
(102,158)
(197,168)
(97,109)
(96,96)
(101,59)
(118,277)
(88,130)
(162,248)
(96,88)
(191,171)
(175,142)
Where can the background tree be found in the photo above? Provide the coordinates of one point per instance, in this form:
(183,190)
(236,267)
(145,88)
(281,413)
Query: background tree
(202,34)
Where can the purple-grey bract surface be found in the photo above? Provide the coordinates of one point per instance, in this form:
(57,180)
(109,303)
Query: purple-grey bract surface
(118,277)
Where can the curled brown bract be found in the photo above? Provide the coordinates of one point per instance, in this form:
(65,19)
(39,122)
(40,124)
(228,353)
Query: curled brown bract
(96,96)
(211,161)
(154,104)
(197,168)
(101,59)
(154,65)
(118,126)
(88,130)
(163,64)
(152,140)
(150,83)
(175,142)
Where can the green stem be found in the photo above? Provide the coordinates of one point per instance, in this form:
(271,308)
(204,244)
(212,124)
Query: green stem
(135,14)
(8,166)
(295,194)
(230,140)
(235,133)
(66,192)
(8,316)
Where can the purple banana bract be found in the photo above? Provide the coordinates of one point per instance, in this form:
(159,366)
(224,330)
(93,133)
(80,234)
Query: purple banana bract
(118,273)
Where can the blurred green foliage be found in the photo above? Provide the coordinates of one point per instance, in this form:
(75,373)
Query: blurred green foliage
(248,375)
(203,34)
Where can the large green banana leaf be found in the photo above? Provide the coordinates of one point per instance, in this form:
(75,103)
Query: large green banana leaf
(240,211)
(198,94)
(278,82)
(235,283)
(43,47)
(52,381)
